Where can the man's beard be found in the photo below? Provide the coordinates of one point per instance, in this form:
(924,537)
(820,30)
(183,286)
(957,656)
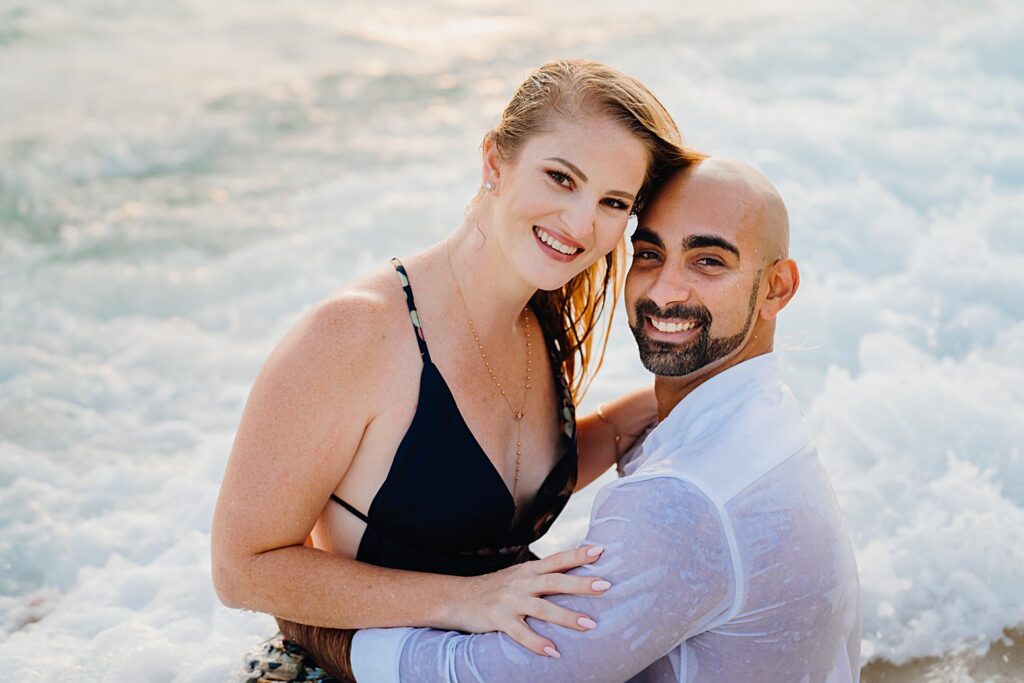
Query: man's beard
(676,360)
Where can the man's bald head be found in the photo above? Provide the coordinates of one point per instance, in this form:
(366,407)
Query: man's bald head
(728,187)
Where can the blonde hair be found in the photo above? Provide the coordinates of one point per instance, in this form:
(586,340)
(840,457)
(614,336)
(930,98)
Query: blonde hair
(570,88)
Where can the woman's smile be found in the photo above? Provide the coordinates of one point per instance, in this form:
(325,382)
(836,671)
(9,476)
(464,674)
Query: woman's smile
(556,245)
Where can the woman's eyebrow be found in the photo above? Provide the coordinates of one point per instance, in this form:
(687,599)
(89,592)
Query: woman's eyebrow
(572,167)
(583,176)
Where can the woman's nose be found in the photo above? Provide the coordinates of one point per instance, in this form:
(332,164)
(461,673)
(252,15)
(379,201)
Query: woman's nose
(579,219)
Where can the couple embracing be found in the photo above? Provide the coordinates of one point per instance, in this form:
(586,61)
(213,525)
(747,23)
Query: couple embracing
(412,435)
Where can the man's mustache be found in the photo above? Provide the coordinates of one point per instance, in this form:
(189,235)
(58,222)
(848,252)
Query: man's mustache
(646,307)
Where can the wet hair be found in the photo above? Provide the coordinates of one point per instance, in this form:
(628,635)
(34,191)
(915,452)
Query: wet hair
(572,89)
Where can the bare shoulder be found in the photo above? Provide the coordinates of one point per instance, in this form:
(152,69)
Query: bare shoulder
(348,337)
(306,416)
(341,358)
(323,384)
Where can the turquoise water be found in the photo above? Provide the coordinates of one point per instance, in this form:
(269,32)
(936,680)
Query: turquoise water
(179,181)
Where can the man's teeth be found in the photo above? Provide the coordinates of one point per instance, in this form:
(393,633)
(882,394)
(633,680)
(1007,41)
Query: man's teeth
(673,327)
(549,240)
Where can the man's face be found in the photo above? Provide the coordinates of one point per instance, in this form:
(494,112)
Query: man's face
(692,289)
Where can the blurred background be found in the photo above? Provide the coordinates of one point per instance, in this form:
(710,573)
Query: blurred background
(180,180)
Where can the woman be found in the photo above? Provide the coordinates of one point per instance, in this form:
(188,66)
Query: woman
(436,432)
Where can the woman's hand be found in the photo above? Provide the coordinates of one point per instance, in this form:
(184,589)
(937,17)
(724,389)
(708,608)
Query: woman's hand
(501,601)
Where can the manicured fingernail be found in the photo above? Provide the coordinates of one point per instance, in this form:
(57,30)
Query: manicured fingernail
(586,622)
(594,551)
(600,585)
(552,652)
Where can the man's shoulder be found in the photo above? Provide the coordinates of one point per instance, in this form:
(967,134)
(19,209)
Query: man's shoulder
(730,447)
(658,497)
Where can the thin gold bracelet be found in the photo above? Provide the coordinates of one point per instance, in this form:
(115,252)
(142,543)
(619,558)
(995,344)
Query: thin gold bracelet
(604,418)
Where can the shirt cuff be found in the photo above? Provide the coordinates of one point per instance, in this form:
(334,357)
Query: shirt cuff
(376,654)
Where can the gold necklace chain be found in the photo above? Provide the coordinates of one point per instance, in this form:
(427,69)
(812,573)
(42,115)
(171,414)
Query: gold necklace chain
(517,415)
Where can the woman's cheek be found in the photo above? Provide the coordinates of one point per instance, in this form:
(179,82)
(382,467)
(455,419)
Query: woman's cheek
(612,235)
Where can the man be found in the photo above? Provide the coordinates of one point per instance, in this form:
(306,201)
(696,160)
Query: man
(723,541)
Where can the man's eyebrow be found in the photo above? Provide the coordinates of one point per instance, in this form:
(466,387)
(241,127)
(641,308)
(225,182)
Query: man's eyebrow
(647,235)
(705,241)
(583,176)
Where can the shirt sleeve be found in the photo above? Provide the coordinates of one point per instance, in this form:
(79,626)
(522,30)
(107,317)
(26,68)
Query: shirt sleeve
(668,560)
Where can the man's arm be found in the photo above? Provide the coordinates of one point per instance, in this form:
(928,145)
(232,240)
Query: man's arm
(669,563)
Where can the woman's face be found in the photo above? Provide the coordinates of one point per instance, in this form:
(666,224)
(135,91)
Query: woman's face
(565,200)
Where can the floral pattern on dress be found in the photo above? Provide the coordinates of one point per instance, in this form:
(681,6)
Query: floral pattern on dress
(276,659)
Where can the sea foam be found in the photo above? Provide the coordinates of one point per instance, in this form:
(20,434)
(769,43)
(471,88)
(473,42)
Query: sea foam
(168,209)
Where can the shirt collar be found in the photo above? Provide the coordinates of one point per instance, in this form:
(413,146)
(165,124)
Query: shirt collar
(725,387)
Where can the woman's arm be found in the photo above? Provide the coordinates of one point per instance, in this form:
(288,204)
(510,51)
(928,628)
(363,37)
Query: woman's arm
(306,416)
(604,438)
(303,423)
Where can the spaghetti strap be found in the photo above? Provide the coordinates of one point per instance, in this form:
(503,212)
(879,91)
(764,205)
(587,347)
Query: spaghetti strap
(404,278)
(351,509)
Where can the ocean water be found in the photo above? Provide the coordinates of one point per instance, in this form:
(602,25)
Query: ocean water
(180,180)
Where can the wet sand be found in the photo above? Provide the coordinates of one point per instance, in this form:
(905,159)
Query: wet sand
(1003,663)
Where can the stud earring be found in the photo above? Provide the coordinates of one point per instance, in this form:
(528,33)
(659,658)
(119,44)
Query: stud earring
(488,186)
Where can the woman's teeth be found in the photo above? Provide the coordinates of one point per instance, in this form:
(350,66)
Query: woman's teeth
(549,240)
(662,326)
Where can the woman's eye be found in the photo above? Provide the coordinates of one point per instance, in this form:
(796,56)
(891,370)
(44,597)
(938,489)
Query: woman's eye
(617,204)
(560,178)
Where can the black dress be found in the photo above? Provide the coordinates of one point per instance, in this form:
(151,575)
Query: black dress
(443,507)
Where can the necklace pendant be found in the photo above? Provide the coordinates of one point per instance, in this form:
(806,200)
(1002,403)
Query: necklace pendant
(518,415)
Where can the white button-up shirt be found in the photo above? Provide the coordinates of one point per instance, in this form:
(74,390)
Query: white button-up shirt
(726,552)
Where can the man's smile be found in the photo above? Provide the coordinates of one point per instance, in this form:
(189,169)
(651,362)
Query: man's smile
(671,329)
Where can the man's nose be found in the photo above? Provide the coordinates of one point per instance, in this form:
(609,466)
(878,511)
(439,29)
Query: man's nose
(671,287)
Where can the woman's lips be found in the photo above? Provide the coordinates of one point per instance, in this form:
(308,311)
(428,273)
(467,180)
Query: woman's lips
(552,246)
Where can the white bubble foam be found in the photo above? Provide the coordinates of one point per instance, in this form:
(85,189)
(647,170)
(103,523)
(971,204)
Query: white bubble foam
(163,222)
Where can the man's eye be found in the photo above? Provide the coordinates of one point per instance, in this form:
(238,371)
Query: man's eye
(709,261)
(645,254)
(560,178)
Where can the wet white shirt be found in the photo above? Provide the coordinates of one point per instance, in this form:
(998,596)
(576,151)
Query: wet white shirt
(726,552)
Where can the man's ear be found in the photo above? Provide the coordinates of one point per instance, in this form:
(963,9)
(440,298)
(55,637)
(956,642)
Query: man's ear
(783,280)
